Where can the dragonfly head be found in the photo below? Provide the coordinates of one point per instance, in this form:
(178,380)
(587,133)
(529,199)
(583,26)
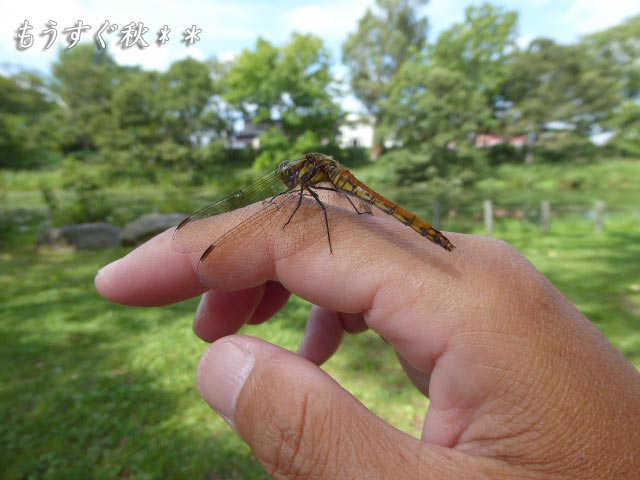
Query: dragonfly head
(288,173)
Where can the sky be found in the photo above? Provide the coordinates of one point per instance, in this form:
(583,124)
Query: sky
(230,26)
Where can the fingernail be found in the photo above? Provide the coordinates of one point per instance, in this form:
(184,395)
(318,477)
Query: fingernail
(222,373)
(200,311)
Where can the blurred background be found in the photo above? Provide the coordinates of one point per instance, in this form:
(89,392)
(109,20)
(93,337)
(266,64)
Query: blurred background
(517,119)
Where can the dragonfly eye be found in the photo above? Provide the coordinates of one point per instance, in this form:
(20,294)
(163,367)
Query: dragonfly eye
(287,174)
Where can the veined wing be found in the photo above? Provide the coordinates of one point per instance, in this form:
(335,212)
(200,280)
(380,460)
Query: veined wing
(268,231)
(196,234)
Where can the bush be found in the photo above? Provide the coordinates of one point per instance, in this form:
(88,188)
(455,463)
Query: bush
(561,148)
(84,200)
(505,153)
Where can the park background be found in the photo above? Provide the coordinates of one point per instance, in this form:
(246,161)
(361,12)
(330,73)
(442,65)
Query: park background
(510,119)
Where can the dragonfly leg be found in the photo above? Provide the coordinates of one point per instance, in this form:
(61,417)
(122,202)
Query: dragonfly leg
(272,199)
(297,206)
(326,218)
(365,211)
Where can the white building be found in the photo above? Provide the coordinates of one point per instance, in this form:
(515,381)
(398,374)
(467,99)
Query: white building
(357,131)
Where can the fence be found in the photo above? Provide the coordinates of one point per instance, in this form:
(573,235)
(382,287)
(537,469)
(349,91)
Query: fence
(488,214)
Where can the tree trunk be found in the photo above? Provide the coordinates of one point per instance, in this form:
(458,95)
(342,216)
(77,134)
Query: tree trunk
(530,157)
(377,149)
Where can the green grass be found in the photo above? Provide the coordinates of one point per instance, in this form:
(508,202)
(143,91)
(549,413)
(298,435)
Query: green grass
(89,389)
(615,181)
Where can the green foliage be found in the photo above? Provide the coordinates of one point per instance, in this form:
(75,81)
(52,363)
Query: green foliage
(479,50)
(290,87)
(505,153)
(445,171)
(566,147)
(558,83)
(137,120)
(275,148)
(84,80)
(185,99)
(386,38)
(433,105)
(626,123)
(617,50)
(28,122)
(85,199)
(429,101)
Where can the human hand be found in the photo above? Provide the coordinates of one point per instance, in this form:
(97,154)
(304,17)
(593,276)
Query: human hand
(521,384)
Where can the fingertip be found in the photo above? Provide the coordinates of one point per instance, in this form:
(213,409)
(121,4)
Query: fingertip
(152,274)
(322,336)
(103,279)
(223,313)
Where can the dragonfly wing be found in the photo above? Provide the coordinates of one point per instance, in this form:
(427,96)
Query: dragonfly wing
(272,232)
(195,233)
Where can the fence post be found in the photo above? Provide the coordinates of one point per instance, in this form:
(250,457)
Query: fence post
(545,215)
(487,205)
(600,210)
(436,214)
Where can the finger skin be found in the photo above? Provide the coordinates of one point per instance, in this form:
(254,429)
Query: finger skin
(223,313)
(516,372)
(324,332)
(151,275)
(322,335)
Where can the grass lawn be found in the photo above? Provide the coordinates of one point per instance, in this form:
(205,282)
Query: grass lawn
(89,389)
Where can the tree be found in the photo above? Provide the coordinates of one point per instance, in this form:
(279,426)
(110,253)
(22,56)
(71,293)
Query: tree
(290,88)
(186,92)
(28,115)
(136,130)
(84,80)
(549,82)
(434,113)
(479,49)
(433,104)
(385,39)
(615,52)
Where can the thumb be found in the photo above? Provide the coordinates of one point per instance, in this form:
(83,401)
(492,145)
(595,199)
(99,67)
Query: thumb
(301,424)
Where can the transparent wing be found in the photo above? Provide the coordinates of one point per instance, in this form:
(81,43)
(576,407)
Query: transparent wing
(195,234)
(269,231)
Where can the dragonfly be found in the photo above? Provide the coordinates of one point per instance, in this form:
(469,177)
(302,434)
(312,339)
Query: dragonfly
(285,193)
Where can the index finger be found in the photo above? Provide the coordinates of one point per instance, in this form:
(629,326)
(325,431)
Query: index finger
(368,254)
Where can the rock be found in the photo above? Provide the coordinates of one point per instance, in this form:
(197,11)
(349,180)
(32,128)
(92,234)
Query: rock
(85,236)
(147,226)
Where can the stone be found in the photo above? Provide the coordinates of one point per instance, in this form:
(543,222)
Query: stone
(84,236)
(148,226)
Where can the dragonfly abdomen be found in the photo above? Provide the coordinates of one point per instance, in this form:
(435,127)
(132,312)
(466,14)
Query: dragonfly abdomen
(345,181)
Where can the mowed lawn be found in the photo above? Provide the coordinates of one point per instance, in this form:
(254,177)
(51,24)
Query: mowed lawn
(89,389)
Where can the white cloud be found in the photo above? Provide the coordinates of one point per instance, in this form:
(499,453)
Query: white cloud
(329,20)
(587,16)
